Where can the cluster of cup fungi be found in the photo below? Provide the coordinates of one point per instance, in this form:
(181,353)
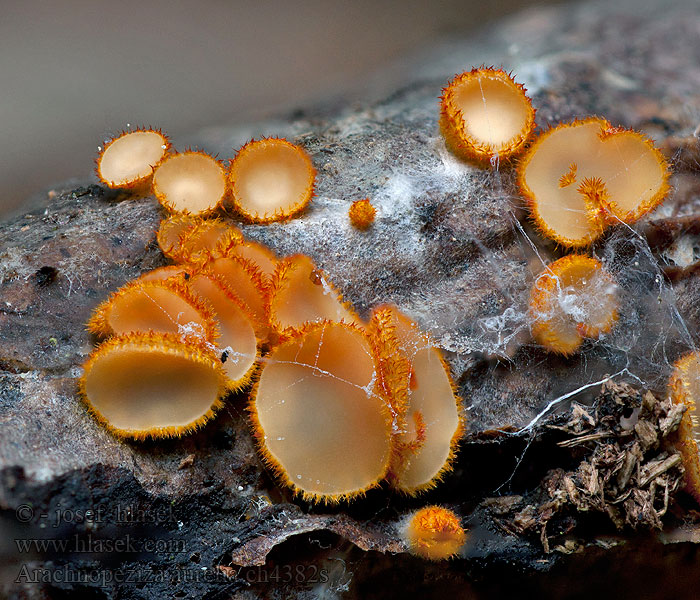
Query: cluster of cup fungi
(229,312)
(328,384)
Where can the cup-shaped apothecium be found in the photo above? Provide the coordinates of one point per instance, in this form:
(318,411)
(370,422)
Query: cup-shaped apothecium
(129,159)
(485,115)
(301,293)
(684,388)
(319,417)
(190,182)
(153,385)
(422,398)
(572,299)
(581,177)
(271,179)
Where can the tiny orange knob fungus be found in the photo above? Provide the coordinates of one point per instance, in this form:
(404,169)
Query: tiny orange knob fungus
(362,213)
(129,159)
(580,177)
(271,179)
(572,299)
(684,388)
(435,533)
(485,115)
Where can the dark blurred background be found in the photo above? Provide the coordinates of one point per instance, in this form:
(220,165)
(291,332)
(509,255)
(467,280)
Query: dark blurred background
(73,73)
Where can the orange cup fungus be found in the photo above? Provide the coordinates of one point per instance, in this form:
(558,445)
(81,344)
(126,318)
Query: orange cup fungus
(301,293)
(259,254)
(129,159)
(246,280)
(684,388)
(485,115)
(401,416)
(434,533)
(581,177)
(166,306)
(152,385)
(362,213)
(237,342)
(162,273)
(574,298)
(207,239)
(318,416)
(195,240)
(172,232)
(330,385)
(271,179)
(422,399)
(190,182)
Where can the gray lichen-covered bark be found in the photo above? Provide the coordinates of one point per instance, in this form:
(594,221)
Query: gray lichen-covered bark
(451,246)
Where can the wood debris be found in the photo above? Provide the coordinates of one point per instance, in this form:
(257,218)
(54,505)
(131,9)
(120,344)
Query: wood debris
(627,470)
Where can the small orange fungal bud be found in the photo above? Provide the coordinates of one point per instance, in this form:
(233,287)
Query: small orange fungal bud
(485,115)
(434,533)
(580,177)
(362,213)
(318,414)
(684,388)
(129,159)
(420,392)
(144,385)
(190,182)
(271,179)
(573,298)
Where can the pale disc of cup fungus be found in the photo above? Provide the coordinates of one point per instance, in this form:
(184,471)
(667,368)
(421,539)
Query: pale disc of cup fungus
(165,306)
(572,299)
(129,159)
(318,416)
(238,345)
(271,179)
(485,115)
(301,293)
(245,279)
(684,388)
(580,177)
(434,533)
(427,407)
(152,385)
(190,182)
